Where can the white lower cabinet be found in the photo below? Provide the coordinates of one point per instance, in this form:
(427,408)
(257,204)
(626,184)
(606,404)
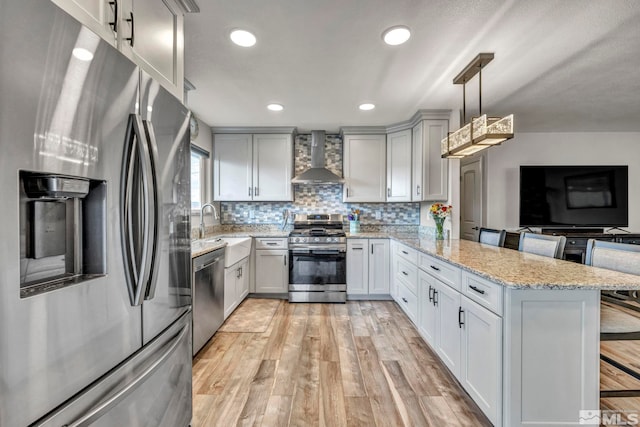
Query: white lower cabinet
(481,358)
(427,310)
(236,285)
(448,332)
(367,266)
(465,334)
(272,266)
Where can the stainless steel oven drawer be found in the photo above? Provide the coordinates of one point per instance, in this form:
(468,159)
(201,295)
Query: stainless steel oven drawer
(317,288)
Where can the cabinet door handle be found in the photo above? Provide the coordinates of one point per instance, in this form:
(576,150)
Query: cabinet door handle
(238,273)
(347,191)
(480,291)
(405,273)
(434,267)
(114,23)
(389,192)
(285,259)
(272,244)
(435,297)
(357,249)
(460,322)
(405,252)
(133,32)
(431,293)
(405,300)
(418,190)
(241,272)
(255,191)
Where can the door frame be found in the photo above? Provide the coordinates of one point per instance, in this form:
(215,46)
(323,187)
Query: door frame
(482,159)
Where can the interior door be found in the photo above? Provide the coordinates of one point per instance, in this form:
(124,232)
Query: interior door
(471,199)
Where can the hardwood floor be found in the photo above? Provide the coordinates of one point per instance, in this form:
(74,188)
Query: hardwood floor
(611,378)
(356,364)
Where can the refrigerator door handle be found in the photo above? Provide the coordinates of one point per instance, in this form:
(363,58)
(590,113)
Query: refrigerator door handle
(134,209)
(154,223)
(122,394)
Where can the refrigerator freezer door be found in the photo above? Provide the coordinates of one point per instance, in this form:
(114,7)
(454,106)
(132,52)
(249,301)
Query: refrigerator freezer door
(166,123)
(62,115)
(153,388)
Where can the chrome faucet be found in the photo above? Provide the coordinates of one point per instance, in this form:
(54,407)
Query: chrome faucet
(215,216)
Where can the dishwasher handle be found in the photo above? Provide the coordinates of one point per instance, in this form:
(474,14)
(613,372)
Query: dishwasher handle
(206,260)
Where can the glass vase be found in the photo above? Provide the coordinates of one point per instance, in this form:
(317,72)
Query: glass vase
(439,228)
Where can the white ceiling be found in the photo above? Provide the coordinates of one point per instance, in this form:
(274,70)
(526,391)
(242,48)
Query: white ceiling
(560,65)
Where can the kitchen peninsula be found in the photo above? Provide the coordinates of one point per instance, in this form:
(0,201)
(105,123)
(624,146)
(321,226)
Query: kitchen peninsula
(519,331)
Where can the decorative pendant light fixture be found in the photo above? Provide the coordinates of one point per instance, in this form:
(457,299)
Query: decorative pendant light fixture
(481,132)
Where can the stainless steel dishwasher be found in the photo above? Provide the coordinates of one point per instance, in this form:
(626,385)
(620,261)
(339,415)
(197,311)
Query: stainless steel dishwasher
(208,297)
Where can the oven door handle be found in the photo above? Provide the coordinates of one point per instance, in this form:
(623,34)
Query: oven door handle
(328,251)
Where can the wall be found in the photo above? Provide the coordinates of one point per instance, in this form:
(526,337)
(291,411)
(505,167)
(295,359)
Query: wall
(204,140)
(503,167)
(313,198)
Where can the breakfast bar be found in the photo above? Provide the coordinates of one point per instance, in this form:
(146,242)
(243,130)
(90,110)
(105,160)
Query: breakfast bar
(519,331)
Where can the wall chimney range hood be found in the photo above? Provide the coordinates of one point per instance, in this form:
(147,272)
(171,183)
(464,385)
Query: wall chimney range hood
(317,174)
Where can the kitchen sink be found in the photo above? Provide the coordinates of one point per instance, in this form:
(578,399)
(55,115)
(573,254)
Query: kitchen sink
(237,248)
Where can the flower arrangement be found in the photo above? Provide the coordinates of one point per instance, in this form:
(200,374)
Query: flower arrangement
(439,212)
(354,215)
(354,220)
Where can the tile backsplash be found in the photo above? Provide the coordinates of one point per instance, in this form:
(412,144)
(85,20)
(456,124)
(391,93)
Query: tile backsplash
(319,198)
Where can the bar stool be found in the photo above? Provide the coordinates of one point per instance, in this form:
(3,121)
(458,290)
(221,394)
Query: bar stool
(617,321)
(491,236)
(542,244)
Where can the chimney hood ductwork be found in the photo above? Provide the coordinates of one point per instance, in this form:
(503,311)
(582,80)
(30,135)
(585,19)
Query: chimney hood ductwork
(317,174)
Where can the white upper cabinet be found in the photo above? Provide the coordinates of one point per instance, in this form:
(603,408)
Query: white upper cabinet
(151,34)
(399,166)
(100,16)
(272,167)
(253,167)
(429,169)
(364,168)
(232,167)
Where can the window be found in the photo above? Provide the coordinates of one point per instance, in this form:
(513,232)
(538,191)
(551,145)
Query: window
(198,176)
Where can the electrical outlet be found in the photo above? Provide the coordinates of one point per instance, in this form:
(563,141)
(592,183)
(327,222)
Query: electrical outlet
(252,214)
(378,215)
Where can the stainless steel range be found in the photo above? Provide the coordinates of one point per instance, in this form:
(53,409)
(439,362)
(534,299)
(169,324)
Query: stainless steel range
(317,259)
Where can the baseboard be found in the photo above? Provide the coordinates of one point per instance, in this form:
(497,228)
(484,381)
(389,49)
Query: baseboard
(374,297)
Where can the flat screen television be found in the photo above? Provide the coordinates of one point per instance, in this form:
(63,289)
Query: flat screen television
(574,196)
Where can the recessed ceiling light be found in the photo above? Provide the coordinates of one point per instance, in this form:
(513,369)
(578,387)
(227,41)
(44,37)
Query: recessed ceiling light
(82,54)
(242,38)
(275,107)
(367,107)
(396,35)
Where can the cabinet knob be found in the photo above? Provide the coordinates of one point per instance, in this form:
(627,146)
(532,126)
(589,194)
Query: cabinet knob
(131,39)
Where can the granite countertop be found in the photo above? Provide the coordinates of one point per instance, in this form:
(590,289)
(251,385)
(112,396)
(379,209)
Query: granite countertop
(519,270)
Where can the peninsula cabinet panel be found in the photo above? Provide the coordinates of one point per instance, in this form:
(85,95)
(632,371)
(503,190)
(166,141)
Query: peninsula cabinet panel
(551,356)
(364,166)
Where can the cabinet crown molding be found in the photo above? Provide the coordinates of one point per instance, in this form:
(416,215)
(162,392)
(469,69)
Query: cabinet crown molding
(418,117)
(254,129)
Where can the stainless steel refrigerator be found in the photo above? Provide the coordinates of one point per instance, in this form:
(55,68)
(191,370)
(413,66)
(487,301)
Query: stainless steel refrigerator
(95,294)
